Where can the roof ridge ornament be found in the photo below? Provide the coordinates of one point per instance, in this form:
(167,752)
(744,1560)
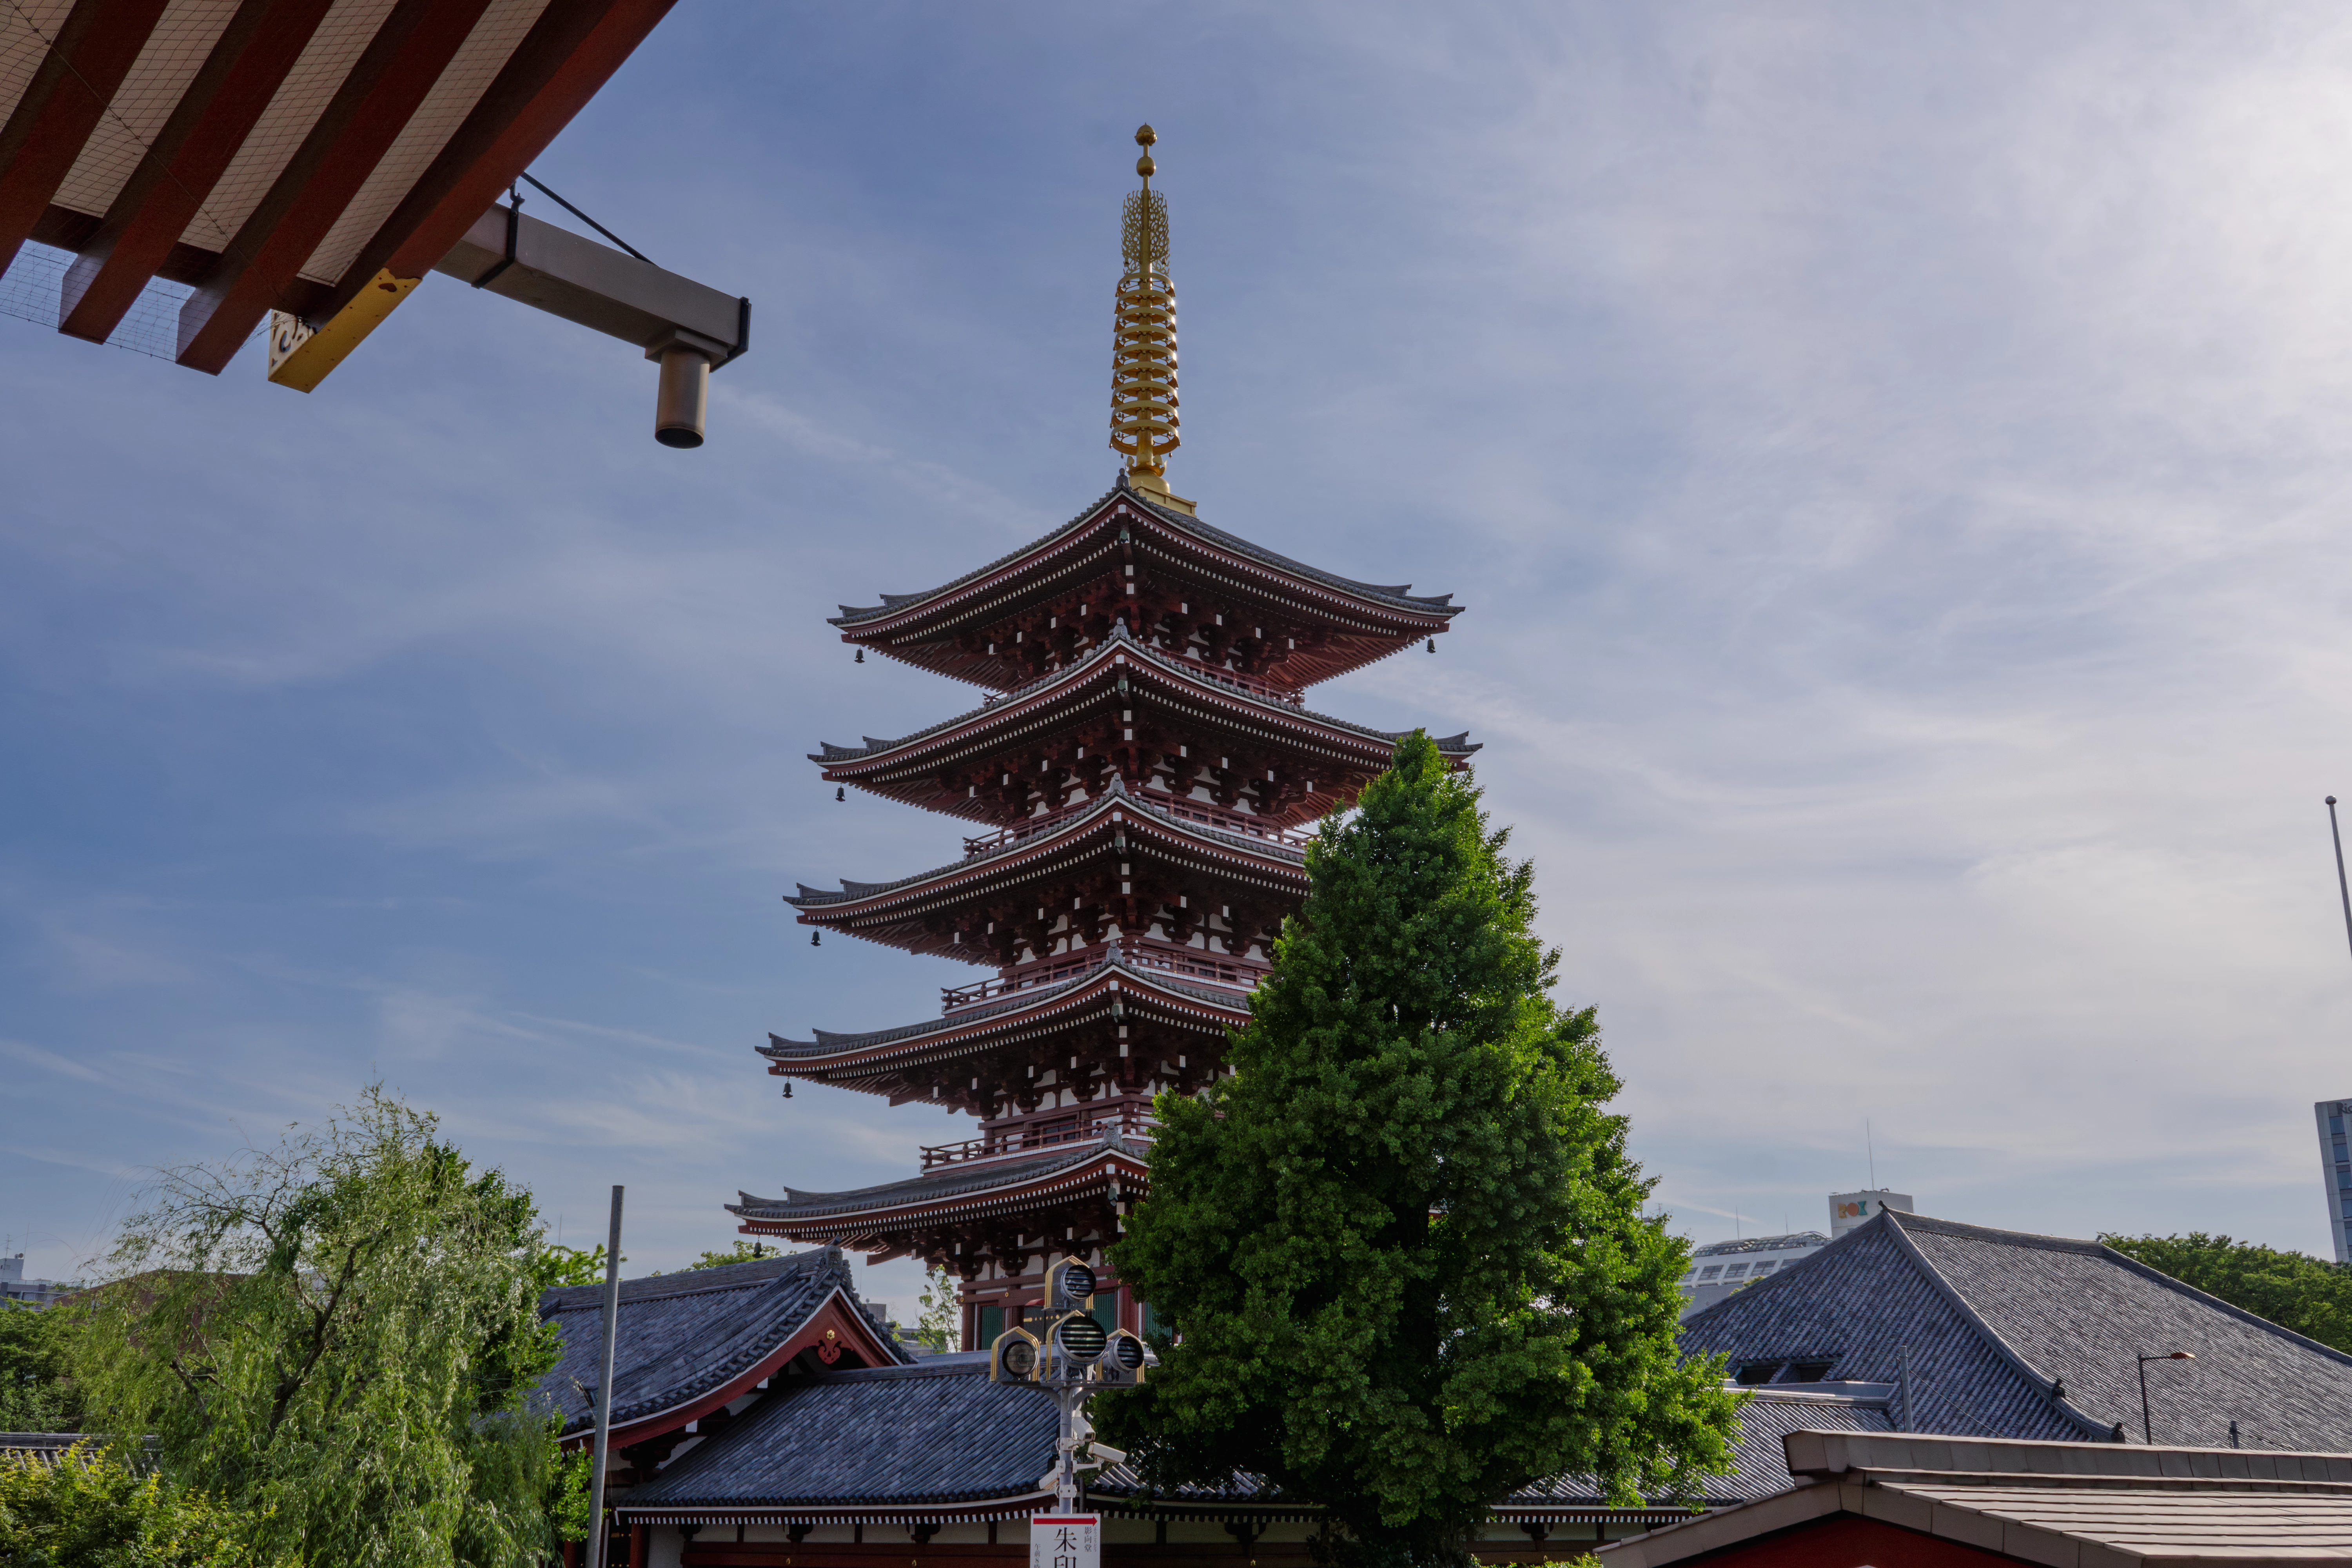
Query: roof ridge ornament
(1143,406)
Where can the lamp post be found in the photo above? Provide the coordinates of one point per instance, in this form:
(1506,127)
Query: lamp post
(2145,1435)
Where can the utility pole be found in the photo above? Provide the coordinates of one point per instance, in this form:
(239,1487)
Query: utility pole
(2343,888)
(597,1533)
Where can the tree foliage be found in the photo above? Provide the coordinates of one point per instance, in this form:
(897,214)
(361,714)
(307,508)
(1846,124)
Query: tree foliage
(1402,1247)
(940,1324)
(741,1252)
(338,1336)
(556,1267)
(90,1509)
(36,1388)
(2308,1295)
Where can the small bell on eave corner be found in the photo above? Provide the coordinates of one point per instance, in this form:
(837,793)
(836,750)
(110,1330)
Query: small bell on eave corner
(861,657)
(841,792)
(1433,645)
(816,939)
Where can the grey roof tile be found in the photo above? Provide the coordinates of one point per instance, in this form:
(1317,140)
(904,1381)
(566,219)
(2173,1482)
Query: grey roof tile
(938,1431)
(682,1336)
(1398,594)
(946,1182)
(1997,1321)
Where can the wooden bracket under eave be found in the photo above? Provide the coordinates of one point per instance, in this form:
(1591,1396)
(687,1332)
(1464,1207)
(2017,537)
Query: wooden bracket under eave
(301,357)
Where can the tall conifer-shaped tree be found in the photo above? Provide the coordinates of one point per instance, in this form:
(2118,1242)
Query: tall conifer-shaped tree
(1402,1249)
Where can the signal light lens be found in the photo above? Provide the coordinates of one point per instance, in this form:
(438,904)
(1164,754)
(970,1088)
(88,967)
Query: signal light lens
(1077,1281)
(1128,1351)
(1081,1337)
(1019,1359)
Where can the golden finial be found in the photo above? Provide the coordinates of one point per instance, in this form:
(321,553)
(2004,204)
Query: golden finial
(1143,417)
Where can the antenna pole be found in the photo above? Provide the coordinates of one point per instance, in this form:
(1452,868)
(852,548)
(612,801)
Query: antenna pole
(1872,1150)
(597,1533)
(2343,890)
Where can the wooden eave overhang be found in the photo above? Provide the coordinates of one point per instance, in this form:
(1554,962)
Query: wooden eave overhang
(911,913)
(963,1194)
(1161,689)
(1367,622)
(278,154)
(874,1062)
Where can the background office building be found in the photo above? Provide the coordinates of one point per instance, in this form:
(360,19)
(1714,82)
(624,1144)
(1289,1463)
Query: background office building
(1720,1267)
(2336,1172)
(1848,1210)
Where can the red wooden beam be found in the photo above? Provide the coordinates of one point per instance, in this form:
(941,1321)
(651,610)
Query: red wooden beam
(560,64)
(94,49)
(184,163)
(392,75)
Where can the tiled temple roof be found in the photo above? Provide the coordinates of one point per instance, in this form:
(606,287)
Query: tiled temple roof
(1121,642)
(1400,595)
(1996,1322)
(1115,794)
(930,1436)
(948,1182)
(828,1043)
(682,1336)
(936,1432)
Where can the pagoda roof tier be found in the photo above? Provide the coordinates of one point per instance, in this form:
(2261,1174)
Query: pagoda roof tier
(1120,859)
(923,1214)
(1172,576)
(1128,1020)
(1132,710)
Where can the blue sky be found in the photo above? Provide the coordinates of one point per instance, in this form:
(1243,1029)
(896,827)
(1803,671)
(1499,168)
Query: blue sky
(1895,456)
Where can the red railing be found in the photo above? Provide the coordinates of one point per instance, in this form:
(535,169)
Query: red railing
(1141,952)
(1174,805)
(1052,972)
(1129,1119)
(1228,821)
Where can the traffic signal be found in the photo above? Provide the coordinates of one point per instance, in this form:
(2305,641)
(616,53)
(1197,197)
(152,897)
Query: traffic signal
(1122,1362)
(1015,1357)
(1069,1286)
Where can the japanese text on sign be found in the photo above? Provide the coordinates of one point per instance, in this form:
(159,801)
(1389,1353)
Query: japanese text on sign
(1065,1541)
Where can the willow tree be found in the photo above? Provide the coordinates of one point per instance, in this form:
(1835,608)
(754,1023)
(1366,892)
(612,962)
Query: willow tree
(337,1338)
(1401,1247)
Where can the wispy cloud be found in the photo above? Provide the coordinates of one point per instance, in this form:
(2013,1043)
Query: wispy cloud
(1893,457)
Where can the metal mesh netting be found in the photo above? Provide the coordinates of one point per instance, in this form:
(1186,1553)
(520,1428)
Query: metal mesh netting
(30,292)
(174,51)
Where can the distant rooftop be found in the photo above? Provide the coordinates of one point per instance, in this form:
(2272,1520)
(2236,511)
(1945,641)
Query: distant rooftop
(1763,1244)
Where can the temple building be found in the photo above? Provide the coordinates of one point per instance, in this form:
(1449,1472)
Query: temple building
(1140,773)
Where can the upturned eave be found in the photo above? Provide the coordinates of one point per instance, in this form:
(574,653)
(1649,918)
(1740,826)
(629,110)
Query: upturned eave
(908,768)
(1372,620)
(878,1061)
(892,912)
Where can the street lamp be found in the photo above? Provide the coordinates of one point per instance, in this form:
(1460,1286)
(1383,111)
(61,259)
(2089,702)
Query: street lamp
(2145,1435)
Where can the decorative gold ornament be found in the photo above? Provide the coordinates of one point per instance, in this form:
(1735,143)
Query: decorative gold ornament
(1143,410)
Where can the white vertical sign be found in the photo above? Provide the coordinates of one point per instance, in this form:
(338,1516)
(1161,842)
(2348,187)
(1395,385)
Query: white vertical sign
(1065,1541)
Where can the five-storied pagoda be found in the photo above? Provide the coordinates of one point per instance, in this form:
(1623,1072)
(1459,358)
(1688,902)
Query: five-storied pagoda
(1143,767)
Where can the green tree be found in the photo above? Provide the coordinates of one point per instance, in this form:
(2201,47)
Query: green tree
(1402,1246)
(36,1390)
(339,1337)
(940,1326)
(2309,1295)
(88,1509)
(557,1267)
(741,1252)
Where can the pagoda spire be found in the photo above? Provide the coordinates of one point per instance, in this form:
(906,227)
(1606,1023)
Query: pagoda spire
(1143,416)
